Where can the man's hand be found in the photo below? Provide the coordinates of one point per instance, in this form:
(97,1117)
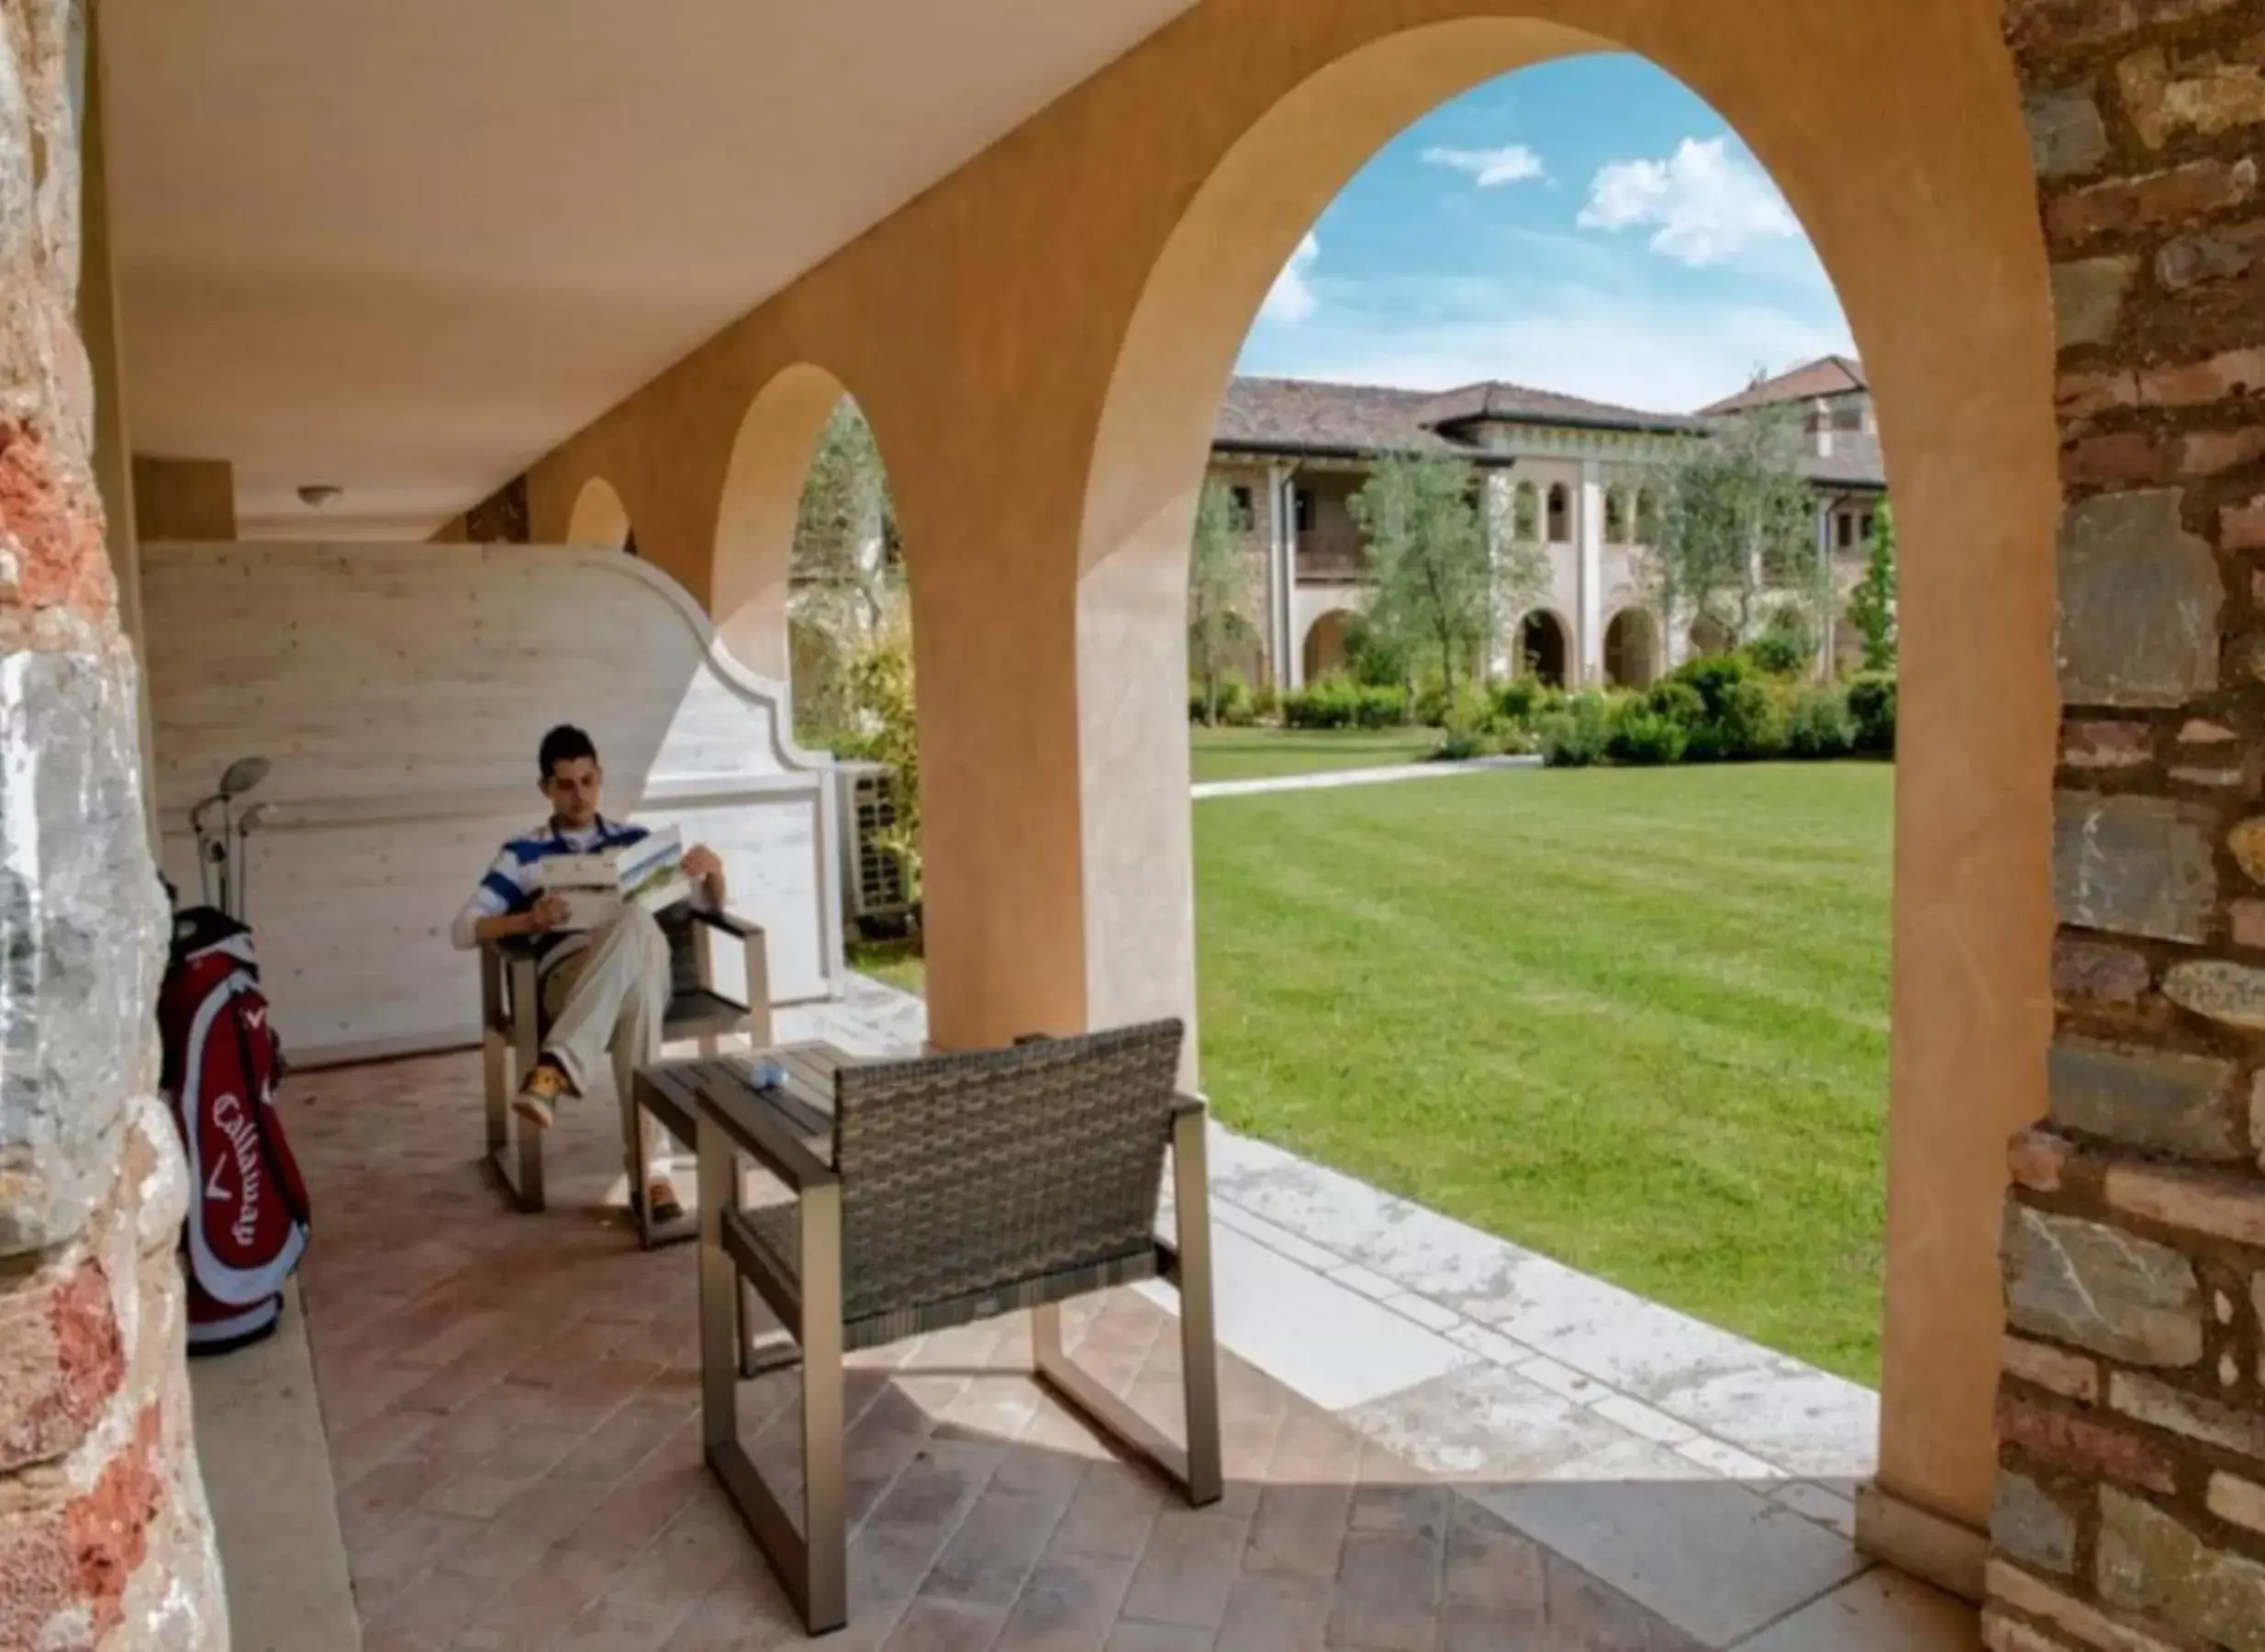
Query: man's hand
(549,911)
(702,866)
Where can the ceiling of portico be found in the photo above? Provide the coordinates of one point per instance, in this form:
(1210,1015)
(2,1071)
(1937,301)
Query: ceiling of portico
(405,246)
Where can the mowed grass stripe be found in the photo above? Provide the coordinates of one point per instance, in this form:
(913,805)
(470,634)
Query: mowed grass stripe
(1637,1021)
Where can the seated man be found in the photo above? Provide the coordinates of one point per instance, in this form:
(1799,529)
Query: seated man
(601,989)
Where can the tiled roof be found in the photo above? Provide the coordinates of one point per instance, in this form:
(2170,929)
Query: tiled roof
(1827,375)
(1307,416)
(1310,416)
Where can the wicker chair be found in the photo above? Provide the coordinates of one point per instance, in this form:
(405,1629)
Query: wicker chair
(511,1038)
(960,1187)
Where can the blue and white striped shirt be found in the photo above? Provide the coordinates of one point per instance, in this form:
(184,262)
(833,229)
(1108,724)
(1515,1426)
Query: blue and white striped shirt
(509,885)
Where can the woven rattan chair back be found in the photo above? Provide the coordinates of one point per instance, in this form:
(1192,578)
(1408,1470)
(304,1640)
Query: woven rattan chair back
(964,1175)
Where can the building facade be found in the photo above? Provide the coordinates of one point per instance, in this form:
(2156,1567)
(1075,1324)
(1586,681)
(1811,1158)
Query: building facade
(1585,480)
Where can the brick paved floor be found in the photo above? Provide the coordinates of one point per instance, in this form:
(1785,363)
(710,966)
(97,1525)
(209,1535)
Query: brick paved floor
(512,1409)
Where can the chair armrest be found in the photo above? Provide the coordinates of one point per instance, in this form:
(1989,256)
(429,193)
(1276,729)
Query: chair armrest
(758,1133)
(512,946)
(1182,1105)
(730,923)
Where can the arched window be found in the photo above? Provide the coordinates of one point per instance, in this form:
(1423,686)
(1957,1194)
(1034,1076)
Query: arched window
(1560,515)
(1543,648)
(1525,512)
(1615,516)
(1646,517)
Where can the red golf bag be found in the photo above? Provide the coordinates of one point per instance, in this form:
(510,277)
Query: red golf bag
(247,1225)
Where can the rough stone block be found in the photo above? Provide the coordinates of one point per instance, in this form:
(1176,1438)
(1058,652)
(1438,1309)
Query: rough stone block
(2087,1283)
(2134,864)
(2140,602)
(2217,254)
(2237,1500)
(2232,993)
(2096,970)
(2154,1099)
(2088,296)
(2090,743)
(2026,1523)
(2203,96)
(61,1360)
(2210,453)
(2084,1446)
(2202,1201)
(2057,1371)
(2066,133)
(2007,1583)
(2159,1405)
(2242,527)
(2038,1158)
(2246,920)
(2149,1562)
(82,939)
(2049,26)
(2152,201)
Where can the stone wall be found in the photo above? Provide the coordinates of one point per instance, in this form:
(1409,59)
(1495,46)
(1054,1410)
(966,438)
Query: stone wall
(104,1537)
(2130,1510)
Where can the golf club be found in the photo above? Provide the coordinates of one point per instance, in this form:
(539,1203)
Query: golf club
(218,851)
(246,824)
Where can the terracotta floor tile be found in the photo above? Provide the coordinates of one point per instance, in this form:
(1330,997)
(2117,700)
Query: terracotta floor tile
(513,1409)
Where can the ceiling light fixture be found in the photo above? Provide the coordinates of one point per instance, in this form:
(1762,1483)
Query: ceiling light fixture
(316,494)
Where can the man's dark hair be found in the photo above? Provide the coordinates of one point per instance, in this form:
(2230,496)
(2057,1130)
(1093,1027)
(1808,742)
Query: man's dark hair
(563,744)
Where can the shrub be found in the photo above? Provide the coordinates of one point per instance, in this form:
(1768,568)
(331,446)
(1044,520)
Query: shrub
(1336,703)
(1460,745)
(1265,704)
(1578,735)
(1645,737)
(1679,703)
(1785,649)
(1817,724)
(1748,725)
(1871,706)
(1524,701)
(1374,659)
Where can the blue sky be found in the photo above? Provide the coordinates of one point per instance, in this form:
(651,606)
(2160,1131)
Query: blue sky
(1589,225)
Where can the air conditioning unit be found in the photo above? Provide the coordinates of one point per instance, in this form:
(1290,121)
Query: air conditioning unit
(873,880)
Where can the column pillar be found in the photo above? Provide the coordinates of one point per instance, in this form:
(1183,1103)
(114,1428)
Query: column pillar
(1281,583)
(1588,669)
(1499,526)
(106,1535)
(1286,513)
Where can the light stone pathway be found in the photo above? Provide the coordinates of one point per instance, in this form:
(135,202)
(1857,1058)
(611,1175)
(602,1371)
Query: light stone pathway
(1327,779)
(1707,1478)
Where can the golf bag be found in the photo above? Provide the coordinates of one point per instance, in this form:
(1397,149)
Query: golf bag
(247,1225)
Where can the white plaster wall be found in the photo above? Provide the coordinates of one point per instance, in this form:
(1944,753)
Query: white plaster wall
(399,692)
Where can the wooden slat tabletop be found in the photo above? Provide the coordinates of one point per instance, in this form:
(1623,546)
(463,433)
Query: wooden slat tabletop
(805,1103)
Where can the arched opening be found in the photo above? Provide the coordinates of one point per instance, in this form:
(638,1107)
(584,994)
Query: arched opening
(1324,649)
(848,607)
(1525,513)
(1544,645)
(1615,516)
(1646,516)
(751,571)
(1632,650)
(600,518)
(1955,216)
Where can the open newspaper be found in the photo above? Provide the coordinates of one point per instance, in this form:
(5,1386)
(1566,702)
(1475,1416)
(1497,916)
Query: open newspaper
(649,873)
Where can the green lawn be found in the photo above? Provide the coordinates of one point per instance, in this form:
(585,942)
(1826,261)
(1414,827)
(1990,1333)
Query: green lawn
(1634,1019)
(1257,753)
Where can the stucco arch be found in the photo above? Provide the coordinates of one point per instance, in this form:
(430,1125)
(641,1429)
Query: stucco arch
(599,518)
(1544,647)
(1937,258)
(749,564)
(1324,646)
(1632,649)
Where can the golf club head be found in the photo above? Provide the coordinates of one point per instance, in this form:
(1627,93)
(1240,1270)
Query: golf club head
(252,818)
(243,775)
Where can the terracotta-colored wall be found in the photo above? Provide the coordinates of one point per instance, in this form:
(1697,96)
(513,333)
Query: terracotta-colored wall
(1039,342)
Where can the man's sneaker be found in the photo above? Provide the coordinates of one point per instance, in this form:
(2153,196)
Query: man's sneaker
(661,1202)
(545,1086)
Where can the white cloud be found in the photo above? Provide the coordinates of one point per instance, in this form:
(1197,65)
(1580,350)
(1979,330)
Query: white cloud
(1704,203)
(1292,299)
(1656,351)
(1491,168)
